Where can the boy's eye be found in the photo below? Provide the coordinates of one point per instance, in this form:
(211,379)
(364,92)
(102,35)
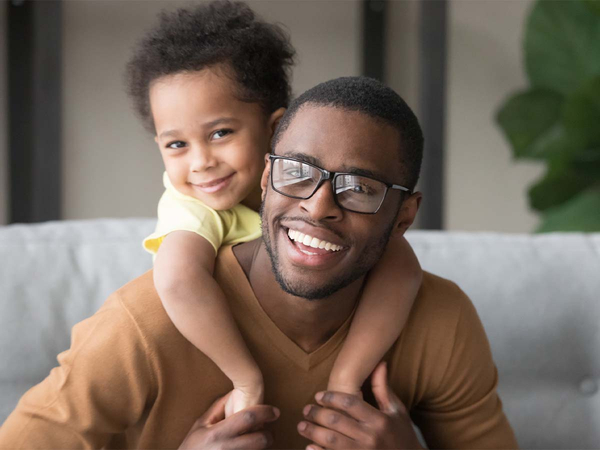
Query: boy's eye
(176,144)
(220,134)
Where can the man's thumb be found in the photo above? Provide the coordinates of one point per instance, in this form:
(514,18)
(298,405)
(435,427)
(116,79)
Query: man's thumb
(388,402)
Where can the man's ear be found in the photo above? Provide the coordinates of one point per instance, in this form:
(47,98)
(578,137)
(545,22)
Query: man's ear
(274,119)
(264,180)
(408,212)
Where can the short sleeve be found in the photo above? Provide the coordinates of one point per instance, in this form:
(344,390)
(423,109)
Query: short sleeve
(465,410)
(178,212)
(241,223)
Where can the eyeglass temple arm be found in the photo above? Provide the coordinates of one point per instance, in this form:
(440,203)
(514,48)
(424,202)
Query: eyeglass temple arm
(402,188)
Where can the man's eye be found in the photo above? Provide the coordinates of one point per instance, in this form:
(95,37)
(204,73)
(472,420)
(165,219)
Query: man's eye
(293,172)
(220,134)
(358,189)
(176,144)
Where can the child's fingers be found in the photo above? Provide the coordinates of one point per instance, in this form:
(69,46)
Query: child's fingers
(388,402)
(215,413)
(314,447)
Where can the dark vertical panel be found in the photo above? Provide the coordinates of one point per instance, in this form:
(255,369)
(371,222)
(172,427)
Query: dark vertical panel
(374,45)
(432,98)
(34,125)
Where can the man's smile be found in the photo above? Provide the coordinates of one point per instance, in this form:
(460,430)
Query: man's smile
(309,246)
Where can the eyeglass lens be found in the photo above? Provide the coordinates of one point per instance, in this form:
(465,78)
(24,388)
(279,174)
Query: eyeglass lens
(353,192)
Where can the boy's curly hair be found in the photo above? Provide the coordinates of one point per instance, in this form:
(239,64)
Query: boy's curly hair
(259,54)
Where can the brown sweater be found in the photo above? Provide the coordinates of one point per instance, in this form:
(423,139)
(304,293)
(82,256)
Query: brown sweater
(130,380)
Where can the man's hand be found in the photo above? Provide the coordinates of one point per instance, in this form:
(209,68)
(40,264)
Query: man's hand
(242,430)
(345,421)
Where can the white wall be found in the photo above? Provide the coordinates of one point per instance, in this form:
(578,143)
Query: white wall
(111,165)
(3,118)
(485,189)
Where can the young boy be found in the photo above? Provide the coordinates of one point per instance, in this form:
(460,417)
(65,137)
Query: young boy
(212,83)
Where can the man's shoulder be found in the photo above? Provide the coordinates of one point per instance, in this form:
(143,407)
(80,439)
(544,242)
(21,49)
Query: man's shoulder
(439,295)
(439,307)
(139,302)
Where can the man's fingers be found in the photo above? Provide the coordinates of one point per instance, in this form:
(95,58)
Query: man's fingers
(349,404)
(248,420)
(336,421)
(325,437)
(388,402)
(256,440)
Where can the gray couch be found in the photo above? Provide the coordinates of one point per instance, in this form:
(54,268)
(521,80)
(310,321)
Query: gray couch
(538,297)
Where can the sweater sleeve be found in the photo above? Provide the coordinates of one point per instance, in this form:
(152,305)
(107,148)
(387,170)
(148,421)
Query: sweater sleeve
(464,411)
(100,387)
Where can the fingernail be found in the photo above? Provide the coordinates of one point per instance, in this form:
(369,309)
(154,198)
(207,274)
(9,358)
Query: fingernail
(302,426)
(319,396)
(276,412)
(306,410)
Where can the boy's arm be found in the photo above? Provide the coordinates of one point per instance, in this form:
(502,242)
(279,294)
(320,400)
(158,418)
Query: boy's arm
(195,303)
(100,388)
(385,304)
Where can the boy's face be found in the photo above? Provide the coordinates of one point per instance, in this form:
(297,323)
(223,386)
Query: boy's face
(212,144)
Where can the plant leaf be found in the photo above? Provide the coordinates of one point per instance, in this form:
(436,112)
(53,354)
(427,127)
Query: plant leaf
(594,6)
(582,213)
(531,122)
(562,45)
(582,113)
(561,183)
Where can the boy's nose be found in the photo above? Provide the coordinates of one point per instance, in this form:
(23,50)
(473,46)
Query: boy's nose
(202,159)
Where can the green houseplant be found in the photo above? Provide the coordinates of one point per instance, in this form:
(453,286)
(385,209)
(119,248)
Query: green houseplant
(557,119)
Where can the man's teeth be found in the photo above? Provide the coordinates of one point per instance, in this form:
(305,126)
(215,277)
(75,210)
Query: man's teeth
(312,241)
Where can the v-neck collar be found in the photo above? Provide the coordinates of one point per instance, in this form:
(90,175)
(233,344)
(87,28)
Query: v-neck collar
(245,299)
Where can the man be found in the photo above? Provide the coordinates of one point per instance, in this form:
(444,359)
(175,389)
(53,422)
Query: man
(131,380)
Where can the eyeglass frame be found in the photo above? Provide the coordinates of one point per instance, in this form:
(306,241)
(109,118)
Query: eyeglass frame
(328,175)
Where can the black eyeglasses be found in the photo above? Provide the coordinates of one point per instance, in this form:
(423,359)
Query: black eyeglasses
(357,193)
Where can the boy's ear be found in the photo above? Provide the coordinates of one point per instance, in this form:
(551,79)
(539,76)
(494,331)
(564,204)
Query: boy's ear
(264,180)
(274,119)
(408,212)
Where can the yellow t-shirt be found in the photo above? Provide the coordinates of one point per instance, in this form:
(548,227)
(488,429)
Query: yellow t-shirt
(179,212)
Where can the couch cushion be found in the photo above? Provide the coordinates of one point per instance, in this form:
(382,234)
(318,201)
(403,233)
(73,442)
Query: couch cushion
(537,297)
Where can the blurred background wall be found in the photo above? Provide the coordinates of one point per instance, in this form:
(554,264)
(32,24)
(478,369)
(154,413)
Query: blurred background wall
(3,123)
(111,166)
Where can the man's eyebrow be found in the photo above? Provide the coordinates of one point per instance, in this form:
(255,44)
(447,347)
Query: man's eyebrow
(304,157)
(211,124)
(363,172)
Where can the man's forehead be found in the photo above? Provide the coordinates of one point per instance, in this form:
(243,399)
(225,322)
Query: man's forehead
(341,140)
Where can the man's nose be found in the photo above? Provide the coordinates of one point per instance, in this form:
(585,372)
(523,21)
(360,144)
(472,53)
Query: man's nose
(322,205)
(202,158)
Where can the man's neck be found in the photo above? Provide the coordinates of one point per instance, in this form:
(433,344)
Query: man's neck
(309,323)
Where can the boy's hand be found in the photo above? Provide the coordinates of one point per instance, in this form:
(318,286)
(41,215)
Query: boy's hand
(240,431)
(240,399)
(345,421)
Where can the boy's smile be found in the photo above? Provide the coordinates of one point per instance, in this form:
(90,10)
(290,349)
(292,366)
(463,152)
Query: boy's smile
(212,143)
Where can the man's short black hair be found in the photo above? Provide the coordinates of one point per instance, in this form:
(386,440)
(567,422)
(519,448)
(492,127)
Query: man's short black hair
(259,55)
(374,99)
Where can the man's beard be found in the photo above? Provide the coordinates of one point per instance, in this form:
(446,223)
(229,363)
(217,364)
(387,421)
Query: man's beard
(371,255)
